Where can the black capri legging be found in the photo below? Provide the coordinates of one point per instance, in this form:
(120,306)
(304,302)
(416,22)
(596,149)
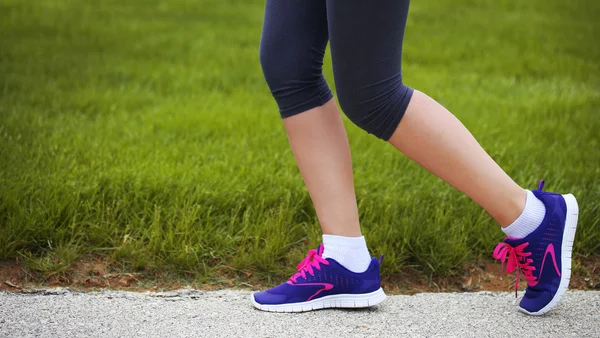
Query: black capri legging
(366,49)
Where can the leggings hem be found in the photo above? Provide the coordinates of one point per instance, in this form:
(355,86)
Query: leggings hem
(316,101)
(391,129)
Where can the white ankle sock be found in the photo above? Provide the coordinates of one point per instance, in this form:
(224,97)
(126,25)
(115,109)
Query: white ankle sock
(530,219)
(351,252)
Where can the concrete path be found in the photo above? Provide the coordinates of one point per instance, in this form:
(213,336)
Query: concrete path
(189,313)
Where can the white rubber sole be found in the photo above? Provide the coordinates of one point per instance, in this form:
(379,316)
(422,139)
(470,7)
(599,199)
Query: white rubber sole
(566,254)
(327,302)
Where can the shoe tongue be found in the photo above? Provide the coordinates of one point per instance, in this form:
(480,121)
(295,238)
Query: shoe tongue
(513,241)
(320,249)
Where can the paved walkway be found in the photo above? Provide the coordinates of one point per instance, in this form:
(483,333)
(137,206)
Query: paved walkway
(185,313)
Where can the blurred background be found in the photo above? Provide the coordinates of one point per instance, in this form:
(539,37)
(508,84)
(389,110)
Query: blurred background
(139,139)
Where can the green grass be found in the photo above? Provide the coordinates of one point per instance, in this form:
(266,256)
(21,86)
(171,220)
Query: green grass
(144,131)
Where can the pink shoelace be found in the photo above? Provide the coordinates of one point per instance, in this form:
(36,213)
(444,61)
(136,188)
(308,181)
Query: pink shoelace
(313,260)
(517,260)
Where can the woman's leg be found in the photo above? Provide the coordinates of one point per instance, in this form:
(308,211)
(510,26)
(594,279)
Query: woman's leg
(366,45)
(293,44)
(431,136)
(320,145)
(292,48)
(339,273)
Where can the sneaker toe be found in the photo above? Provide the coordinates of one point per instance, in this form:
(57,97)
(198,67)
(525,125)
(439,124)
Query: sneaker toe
(269,298)
(535,301)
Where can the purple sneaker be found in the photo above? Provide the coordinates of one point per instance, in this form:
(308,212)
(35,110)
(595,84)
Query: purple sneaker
(544,256)
(322,283)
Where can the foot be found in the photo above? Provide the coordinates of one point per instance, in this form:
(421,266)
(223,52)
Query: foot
(544,256)
(322,283)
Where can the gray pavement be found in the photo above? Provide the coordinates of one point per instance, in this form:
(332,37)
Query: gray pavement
(190,313)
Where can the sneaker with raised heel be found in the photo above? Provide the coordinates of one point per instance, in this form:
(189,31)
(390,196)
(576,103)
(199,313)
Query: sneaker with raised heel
(544,256)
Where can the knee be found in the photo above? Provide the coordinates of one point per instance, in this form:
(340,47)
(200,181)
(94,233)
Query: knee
(376,108)
(275,68)
(294,78)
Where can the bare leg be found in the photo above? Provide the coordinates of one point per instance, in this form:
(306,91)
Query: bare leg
(428,134)
(320,145)
(431,136)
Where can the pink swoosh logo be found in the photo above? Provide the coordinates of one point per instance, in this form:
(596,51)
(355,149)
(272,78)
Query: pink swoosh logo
(549,250)
(326,286)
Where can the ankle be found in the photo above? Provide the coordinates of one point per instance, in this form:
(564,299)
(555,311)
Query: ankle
(513,209)
(350,227)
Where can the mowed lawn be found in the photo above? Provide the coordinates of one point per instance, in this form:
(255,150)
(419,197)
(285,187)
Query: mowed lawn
(143,131)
